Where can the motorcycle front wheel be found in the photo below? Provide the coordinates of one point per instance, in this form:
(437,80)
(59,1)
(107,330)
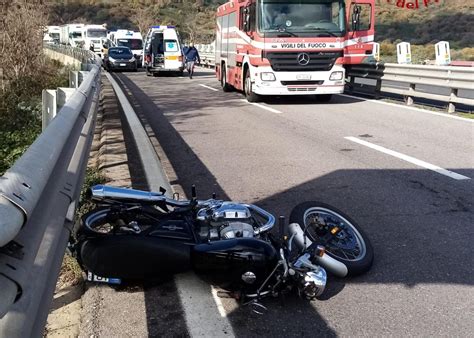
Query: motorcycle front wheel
(341,236)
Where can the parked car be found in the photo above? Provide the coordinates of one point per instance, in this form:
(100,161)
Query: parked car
(120,58)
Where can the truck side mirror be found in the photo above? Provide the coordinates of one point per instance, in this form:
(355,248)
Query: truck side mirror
(356,17)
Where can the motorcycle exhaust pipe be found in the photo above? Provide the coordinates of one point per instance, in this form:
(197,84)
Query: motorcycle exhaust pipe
(332,265)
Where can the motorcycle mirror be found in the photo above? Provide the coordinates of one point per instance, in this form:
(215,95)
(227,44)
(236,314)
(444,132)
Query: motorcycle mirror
(193,192)
(214,196)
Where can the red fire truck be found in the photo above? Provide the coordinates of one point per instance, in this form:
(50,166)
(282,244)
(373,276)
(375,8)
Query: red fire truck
(291,47)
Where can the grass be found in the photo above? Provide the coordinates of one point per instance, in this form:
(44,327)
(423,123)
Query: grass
(93,177)
(466,115)
(70,274)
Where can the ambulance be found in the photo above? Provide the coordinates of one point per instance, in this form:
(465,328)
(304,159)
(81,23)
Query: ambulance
(162,51)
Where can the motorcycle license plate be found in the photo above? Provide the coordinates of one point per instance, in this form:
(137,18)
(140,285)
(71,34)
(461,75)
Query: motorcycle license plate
(303,77)
(123,64)
(94,278)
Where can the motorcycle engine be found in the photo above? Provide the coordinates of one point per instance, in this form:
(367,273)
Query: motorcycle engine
(236,229)
(227,220)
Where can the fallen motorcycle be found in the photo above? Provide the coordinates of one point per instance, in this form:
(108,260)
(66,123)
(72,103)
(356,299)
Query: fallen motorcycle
(135,234)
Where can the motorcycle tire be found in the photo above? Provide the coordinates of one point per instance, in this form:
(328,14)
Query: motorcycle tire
(357,264)
(80,230)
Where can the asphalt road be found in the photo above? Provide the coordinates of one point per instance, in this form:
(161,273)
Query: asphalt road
(405,175)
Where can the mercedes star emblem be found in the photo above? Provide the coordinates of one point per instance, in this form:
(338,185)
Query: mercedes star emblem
(303,59)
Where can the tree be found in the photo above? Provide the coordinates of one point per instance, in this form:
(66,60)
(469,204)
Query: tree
(22,38)
(146,13)
(143,18)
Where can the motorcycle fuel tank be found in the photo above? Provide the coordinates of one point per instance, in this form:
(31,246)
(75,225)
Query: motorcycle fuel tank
(227,261)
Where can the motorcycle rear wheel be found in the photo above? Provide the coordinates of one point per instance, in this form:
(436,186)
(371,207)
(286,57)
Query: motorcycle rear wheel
(350,245)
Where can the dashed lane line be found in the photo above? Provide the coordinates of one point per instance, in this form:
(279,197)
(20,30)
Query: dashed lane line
(252,103)
(410,159)
(214,89)
(263,107)
(410,108)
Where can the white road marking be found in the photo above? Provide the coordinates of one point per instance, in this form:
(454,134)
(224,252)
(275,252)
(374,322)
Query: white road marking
(410,159)
(411,108)
(203,317)
(263,107)
(214,89)
(218,301)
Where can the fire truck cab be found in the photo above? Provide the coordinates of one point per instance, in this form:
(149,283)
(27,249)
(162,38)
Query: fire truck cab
(291,47)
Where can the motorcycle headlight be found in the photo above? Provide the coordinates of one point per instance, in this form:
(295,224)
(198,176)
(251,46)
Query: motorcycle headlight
(336,76)
(267,76)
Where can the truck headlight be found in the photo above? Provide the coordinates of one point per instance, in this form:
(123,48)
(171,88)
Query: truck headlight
(267,76)
(132,59)
(336,76)
(111,59)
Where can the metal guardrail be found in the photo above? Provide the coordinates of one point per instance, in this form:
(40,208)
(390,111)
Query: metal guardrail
(207,60)
(450,77)
(38,197)
(86,57)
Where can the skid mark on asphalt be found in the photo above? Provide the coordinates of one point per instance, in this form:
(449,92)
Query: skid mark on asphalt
(410,159)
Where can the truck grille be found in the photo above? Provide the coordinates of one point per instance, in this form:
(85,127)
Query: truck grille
(288,61)
(302,83)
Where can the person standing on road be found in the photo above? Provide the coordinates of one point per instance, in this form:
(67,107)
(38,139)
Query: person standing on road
(191,56)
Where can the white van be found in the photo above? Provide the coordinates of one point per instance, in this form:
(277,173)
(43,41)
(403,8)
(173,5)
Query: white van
(162,51)
(72,34)
(94,38)
(130,39)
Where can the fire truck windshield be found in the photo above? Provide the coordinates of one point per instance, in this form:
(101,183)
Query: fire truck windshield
(302,17)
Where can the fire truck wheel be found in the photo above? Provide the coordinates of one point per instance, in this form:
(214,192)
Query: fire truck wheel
(249,94)
(225,86)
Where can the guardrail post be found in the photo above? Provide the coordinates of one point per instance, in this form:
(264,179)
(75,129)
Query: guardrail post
(63,94)
(73,79)
(48,107)
(451,104)
(409,99)
(378,87)
(82,75)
